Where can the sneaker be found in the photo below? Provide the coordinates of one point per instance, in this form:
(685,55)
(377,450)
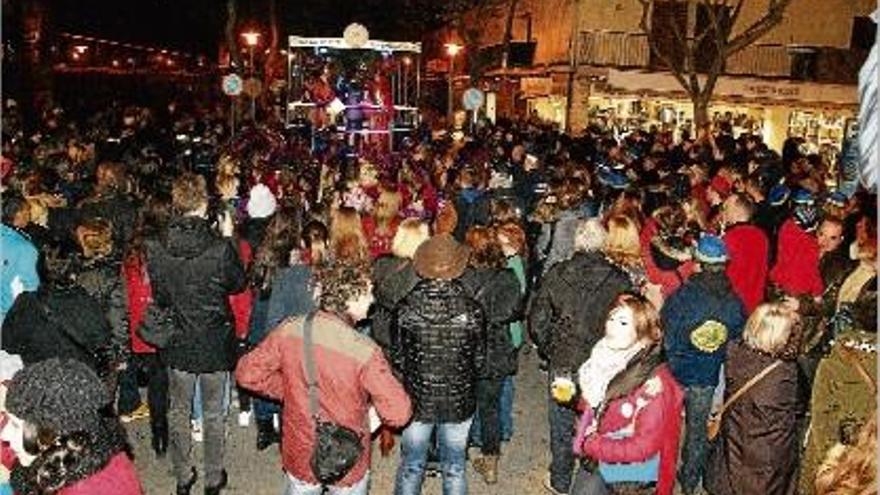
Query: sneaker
(142,412)
(197,435)
(244,419)
(549,486)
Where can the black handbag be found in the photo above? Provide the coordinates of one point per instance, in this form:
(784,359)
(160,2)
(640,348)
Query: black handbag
(337,448)
(158,328)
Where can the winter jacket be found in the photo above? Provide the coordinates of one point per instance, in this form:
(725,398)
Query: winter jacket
(669,280)
(116,207)
(796,271)
(352,374)
(18,259)
(293,294)
(472,207)
(757,447)
(193,271)
(747,248)
(61,321)
(698,320)
(103,280)
(441,334)
(393,278)
(138,296)
(640,420)
(498,293)
(242,302)
(567,313)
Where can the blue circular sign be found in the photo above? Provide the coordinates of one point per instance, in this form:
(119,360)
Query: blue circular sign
(473,99)
(232,84)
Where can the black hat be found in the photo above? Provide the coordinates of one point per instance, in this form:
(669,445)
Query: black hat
(62,394)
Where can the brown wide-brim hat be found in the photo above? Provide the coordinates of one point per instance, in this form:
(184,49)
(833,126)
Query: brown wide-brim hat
(441,257)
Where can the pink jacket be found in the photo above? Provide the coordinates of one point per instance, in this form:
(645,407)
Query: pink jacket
(352,374)
(119,477)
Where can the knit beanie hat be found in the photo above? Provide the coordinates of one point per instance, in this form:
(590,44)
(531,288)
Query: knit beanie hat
(261,202)
(803,197)
(837,199)
(62,394)
(441,258)
(778,195)
(711,250)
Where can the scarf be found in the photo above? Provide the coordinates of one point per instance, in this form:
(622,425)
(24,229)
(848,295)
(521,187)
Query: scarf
(603,365)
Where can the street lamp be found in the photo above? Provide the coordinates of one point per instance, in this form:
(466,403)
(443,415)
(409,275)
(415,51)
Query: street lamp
(251,38)
(452,50)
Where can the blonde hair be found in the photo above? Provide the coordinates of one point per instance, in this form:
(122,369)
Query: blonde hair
(589,236)
(770,328)
(411,233)
(38,210)
(622,244)
(387,205)
(226,184)
(347,234)
(95,238)
(851,470)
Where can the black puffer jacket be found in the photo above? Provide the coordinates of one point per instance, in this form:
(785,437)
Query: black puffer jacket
(102,279)
(393,279)
(61,321)
(441,332)
(567,314)
(193,271)
(498,293)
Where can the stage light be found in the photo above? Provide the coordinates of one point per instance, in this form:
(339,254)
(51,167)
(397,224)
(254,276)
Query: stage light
(80,49)
(251,38)
(452,49)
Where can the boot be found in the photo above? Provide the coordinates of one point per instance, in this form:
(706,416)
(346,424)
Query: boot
(266,434)
(487,466)
(159,429)
(184,489)
(215,490)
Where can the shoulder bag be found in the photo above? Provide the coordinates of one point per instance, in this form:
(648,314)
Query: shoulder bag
(713,424)
(337,448)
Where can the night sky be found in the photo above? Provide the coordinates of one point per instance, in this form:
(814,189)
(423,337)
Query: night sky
(197,25)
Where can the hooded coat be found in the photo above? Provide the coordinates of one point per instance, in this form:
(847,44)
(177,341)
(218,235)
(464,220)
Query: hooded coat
(748,249)
(497,291)
(193,271)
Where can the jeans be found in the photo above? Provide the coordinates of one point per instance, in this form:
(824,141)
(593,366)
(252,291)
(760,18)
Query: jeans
(414,445)
(488,395)
(197,399)
(697,404)
(562,422)
(505,408)
(149,368)
(296,486)
(214,387)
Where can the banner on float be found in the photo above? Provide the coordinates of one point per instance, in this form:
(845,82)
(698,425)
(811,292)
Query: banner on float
(341,44)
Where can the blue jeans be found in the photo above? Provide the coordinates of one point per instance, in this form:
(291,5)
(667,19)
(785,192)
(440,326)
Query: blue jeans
(197,399)
(697,405)
(295,486)
(414,445)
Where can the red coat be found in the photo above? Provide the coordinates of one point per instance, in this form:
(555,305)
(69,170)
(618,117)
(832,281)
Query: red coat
(796,271)
(119,477)
(138,295)
(656,428)
(241,304)
(747,248)
(669,280)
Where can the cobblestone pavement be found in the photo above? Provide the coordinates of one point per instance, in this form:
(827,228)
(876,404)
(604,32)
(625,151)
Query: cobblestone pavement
(523,463)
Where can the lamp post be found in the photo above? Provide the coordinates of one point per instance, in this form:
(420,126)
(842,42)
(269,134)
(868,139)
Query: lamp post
(452,50)
(251,38)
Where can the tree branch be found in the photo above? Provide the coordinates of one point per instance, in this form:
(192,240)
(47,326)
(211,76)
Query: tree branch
(674,68)
(759,28)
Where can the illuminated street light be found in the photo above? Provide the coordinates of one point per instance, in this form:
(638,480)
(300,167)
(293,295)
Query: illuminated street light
(251,38)
(452,50)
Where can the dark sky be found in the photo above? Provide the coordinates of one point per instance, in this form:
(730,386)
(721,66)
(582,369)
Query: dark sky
(197,25)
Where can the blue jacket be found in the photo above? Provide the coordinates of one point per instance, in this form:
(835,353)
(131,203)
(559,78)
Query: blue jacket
(698,320)
(19,259)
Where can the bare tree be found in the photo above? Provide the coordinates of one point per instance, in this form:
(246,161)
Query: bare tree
(721,32)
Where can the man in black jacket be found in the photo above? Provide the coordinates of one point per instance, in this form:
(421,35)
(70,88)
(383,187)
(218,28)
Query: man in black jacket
(193,270)
(442,342)
(566,318)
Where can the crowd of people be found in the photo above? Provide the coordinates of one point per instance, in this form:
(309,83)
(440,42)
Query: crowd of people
(703,307)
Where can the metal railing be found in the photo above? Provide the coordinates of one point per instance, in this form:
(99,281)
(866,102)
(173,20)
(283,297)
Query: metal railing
(614,48)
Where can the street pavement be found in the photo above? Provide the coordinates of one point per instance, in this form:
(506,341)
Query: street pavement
(524,459)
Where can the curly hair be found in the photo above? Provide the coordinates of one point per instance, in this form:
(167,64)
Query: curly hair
(341,283)
(485,248)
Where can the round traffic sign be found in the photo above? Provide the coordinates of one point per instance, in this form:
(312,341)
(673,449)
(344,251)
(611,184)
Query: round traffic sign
(232,84)
(473,99)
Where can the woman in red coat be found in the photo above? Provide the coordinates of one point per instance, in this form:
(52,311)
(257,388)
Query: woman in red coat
(632,414)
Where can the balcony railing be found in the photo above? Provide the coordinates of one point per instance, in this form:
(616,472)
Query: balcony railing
(614,48)
(761,60)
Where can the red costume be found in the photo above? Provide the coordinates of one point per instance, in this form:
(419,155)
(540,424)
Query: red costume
(669,280)
(747,249)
